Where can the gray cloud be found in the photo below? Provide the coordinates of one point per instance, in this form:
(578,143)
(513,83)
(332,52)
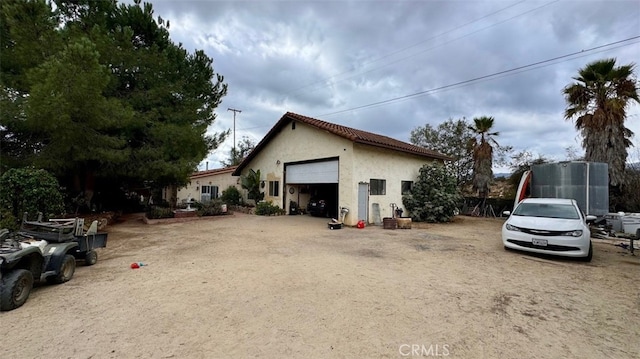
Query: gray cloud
(321,57)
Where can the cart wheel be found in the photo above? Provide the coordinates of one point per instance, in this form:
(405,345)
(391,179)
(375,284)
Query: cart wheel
(90,258)
(67,268)
(15,288)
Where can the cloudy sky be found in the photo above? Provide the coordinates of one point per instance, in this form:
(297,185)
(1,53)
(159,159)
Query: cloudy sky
(390,66)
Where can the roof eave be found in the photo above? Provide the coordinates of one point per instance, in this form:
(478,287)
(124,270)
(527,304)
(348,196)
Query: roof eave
(416,153)
(265,140)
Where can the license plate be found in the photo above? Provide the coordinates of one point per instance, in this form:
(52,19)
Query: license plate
(539,242)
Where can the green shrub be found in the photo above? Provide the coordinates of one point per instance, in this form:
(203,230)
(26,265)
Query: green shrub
(156,212)
(211,208)
(434,196)
(28,190)
(268,209)
(231,196)
(8,220)
(629,199)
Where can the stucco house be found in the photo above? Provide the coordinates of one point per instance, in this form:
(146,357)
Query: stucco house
(302,157)
(203,186)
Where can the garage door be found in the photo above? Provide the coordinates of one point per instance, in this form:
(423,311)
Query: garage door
(315,172)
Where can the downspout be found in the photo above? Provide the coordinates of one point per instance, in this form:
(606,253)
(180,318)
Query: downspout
(284,186)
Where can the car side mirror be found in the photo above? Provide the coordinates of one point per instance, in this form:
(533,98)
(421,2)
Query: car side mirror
(506,213)
(590,218)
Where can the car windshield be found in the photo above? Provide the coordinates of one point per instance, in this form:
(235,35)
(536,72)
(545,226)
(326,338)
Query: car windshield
(548,210)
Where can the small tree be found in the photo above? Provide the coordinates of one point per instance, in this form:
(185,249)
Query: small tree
(630,201)
(251,182)
(28,190)
(453,138)
(434,196)
(522,162)
(236,155)
(231,196)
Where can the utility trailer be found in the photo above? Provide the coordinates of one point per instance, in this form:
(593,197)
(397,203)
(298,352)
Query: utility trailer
(67,230)
(43,251)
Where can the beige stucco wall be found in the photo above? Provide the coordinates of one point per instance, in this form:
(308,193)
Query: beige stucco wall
(300,144)
(193,189)
(391,166)
(357,163)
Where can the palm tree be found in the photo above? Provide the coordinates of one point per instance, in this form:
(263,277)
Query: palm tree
(482,154)
(598,102)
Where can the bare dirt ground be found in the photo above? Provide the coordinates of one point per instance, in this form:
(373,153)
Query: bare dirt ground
(287,287)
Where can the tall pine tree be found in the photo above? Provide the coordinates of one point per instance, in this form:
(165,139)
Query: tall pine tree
(100,95)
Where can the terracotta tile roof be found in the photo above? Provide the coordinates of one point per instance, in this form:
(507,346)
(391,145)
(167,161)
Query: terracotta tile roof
(215,171)
(352,134)
(368,138)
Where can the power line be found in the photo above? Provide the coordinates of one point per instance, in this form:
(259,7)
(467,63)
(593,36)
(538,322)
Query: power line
(524,70)
(495,74)
(326,82)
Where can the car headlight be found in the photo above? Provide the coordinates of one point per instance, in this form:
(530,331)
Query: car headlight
(576,233)
(512,228)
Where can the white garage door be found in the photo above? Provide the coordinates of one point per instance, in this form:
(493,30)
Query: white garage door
(316,172)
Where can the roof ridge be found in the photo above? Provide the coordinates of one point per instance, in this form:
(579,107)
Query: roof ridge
(214,170)
(353,134)
(367,137)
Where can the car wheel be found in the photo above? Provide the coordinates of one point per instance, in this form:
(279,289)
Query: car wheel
(67,269)
(90,258)
(15,289)
(590,255)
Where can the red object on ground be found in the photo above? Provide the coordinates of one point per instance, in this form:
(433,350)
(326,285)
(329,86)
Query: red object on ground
(360,224)
(135,265)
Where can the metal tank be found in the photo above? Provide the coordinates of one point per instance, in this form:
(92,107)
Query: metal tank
(586,182)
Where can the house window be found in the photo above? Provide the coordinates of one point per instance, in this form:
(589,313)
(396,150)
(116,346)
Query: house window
(274,188)
(208,193)
(406,187)
(378,187)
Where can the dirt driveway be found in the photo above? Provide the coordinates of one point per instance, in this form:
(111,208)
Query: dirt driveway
(287,287)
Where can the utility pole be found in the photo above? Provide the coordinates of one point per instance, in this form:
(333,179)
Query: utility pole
(234,128)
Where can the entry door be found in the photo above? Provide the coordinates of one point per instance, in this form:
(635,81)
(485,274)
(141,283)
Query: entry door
(363,201)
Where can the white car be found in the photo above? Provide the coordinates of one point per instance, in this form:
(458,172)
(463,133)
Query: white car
(549,226)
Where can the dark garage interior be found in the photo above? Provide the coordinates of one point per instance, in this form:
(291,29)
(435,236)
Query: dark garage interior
(327,192)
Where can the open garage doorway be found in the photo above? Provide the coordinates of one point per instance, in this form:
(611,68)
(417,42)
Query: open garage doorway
(320,199)
(313,186)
